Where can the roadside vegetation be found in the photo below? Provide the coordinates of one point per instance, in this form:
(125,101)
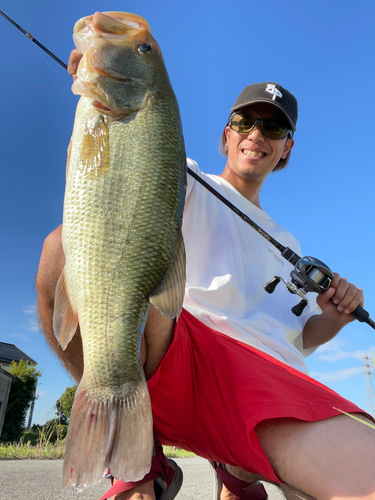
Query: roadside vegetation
(22,394)
(48,441)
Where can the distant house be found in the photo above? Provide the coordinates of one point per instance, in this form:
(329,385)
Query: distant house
(5,383)
(9,353)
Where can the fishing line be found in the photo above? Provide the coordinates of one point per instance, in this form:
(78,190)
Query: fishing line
(309,274)
(50,65)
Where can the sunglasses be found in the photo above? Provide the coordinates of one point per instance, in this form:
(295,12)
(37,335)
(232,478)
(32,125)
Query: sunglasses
(244,124)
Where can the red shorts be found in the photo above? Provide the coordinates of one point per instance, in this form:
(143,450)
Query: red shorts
(210,391)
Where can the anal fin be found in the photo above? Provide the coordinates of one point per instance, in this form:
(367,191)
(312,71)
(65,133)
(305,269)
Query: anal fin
(65,318)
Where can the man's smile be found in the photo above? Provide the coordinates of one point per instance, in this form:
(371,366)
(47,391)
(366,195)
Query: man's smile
(253,154)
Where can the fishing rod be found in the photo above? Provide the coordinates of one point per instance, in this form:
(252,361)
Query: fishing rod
(30,37)
(309,274)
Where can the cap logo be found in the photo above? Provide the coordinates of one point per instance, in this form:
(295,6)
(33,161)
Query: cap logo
(271,88)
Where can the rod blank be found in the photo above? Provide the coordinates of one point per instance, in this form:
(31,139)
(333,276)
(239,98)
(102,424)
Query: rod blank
(30,36)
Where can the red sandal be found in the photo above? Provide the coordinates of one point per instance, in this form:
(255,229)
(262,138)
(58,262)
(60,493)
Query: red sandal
(166,474)
(242,489)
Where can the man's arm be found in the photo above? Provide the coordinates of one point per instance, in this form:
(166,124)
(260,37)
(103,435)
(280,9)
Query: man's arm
(336,313)
(51,264)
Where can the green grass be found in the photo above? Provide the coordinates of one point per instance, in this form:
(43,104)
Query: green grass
(48,442)
(173,452)
(44,443)
(41,448)
(26,451)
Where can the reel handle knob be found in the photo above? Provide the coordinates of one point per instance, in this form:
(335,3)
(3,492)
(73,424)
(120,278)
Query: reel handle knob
(271,285)
(298,309)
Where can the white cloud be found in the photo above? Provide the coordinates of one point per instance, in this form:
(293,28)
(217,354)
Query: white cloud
(338,375)
(32,320)
(41,393)
(20,336)
(332,351)
(31,324)
(30,309)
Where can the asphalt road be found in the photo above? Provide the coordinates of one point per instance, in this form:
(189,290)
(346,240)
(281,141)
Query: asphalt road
(42,480)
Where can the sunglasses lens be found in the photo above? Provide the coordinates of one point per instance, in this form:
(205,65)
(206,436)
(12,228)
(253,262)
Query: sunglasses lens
(273,130)
(242,123)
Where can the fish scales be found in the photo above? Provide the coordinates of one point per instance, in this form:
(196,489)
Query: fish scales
(127,248)
(123,244)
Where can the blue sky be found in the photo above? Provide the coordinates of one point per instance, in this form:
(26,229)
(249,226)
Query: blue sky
(321,51)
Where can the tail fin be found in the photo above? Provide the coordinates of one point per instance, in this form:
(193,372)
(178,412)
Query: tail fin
(113,434)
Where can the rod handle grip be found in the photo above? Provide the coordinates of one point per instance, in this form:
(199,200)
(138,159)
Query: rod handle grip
(363,316)
(360,314)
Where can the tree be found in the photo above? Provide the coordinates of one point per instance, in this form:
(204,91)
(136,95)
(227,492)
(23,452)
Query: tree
(21,395)
(64,404)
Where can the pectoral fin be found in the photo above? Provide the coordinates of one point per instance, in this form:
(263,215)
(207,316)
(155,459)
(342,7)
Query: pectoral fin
(94,151)
(169,296)
(68,158)
(65,318)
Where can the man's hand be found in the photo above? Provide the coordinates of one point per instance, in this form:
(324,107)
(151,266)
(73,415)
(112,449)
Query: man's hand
(345,298)
(75,57)
(336,313)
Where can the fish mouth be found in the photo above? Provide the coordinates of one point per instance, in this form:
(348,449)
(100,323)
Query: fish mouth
(113,77)
(100,106)
(112,22)
(109,87)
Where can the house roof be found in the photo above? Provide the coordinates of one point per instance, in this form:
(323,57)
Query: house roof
(9,353)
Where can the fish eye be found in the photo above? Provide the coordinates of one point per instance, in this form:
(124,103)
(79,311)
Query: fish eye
(144,48)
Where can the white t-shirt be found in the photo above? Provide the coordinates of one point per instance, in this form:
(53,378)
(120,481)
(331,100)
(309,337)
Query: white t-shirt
(228,263)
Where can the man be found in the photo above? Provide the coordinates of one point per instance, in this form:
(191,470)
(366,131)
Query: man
(226,380)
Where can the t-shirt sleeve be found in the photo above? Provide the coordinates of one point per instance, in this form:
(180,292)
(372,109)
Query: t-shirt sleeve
(193,165)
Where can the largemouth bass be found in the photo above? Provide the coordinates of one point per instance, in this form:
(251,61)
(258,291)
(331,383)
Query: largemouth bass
(122,240)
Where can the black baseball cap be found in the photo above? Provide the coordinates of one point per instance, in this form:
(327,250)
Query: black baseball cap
(274,94)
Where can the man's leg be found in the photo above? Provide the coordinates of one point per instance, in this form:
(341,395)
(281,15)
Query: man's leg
(329,459)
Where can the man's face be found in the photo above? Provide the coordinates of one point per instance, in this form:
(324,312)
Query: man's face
(253,156)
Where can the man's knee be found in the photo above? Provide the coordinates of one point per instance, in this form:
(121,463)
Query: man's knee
(328,458)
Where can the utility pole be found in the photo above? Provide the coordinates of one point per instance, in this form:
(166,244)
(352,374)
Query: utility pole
(369,369)
(31,412)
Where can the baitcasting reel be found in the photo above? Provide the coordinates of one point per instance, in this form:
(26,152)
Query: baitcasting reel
(308,275)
